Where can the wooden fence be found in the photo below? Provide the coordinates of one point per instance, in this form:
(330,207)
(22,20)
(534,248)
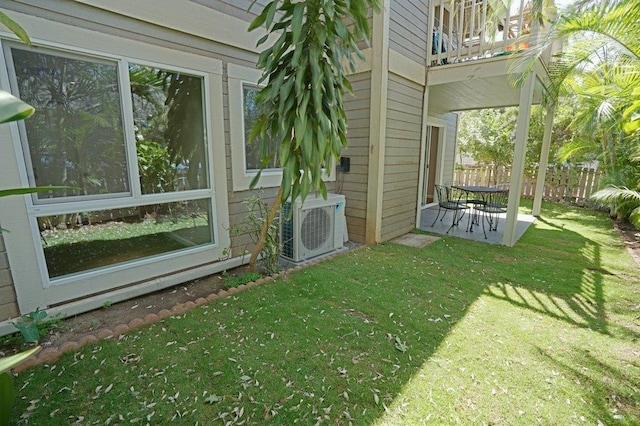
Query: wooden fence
(571,184)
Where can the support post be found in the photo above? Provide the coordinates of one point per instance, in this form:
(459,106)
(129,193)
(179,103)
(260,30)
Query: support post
(544,160)
(519,155)
(377,123)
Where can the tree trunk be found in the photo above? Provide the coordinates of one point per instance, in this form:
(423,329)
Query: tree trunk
(253,261)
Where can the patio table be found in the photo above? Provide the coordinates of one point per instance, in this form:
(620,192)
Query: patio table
(481,191)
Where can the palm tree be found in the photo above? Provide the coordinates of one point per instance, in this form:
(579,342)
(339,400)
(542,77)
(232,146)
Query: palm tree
(600,66)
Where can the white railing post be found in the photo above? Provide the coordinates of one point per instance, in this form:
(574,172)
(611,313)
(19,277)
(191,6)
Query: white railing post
(430,24)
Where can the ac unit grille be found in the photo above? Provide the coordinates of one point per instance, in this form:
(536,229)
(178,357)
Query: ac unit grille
(316,228)
(312,229)
(286,231)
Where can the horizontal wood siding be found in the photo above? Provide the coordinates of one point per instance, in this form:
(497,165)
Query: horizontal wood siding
(402,157)
(8,303)
(236,8)
(354,183)
(408,29)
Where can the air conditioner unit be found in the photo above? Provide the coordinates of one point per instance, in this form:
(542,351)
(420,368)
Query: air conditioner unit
(316,227)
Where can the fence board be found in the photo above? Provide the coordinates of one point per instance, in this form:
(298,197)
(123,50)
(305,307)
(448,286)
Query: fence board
(570,184)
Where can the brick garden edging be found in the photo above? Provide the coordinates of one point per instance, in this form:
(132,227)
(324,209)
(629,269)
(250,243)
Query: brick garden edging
(52,354)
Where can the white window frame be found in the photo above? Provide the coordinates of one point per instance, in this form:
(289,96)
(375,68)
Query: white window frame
(237,77)
(19,213)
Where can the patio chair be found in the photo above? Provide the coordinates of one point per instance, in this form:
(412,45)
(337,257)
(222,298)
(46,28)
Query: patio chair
(448,199)
(496,204)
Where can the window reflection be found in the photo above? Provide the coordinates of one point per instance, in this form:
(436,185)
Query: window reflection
(169,126)
(83,241)
(76,137)
(253,155)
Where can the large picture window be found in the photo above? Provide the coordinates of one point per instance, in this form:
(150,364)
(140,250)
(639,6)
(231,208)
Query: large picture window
(130,142)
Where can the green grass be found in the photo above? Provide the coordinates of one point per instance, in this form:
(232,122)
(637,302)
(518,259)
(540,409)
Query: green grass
(458,332)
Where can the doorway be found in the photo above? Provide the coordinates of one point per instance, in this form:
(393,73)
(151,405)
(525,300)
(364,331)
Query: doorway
(433,136)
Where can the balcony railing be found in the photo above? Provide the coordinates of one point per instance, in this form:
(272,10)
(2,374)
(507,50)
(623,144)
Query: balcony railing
(474,29)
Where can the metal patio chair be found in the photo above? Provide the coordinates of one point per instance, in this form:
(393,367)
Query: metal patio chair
(496,204)
(450,200)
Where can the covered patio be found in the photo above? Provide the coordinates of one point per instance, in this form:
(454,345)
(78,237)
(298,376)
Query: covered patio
(486,83)
(478,78)
(440,227)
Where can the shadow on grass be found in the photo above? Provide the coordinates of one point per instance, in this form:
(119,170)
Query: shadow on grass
(613,394)
(342,341)
(571,292)
(562,276)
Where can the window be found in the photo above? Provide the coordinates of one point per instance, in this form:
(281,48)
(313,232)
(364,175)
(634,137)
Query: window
(245,156)
(101,238)
(168,119)
(252,148)
(77,137)
(131,141)
(243,88)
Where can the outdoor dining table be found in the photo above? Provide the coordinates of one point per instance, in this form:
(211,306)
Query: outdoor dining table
(480,193)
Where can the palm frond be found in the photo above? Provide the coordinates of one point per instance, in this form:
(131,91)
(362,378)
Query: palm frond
(613,194)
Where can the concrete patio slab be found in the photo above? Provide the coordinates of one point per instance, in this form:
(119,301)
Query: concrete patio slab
(415,240)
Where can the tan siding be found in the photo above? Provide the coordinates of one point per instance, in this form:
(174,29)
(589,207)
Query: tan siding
(8,303)
(404,124)
(91,18)
(355,182)
(236,8)
(408,29)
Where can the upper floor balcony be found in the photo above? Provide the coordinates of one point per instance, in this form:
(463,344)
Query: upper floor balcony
(466,30)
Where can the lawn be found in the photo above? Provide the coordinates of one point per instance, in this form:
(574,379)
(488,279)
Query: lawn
(457,332)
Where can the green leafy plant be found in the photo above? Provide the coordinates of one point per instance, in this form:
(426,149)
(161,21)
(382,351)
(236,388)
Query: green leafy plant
(622,203)
(12,109)
(301,106)
(7,392)
(236,280)
(29,325)
(253,224)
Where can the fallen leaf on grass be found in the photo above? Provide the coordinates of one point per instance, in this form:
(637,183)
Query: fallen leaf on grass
(213,398)
(400,345)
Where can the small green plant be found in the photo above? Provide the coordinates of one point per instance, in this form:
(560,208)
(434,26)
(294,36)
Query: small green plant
(107,304)
(236,280)
(30,324)
(252,225)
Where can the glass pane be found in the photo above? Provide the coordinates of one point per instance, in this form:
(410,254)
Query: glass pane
(168,115)
(75,137)
(82,241)
(252,148)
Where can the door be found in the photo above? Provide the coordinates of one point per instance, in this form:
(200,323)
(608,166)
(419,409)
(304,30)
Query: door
(430,162)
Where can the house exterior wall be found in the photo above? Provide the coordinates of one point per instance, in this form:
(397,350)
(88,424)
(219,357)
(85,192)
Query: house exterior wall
(354,183)
(402,156)
(241,9)
(217,29)
(408,29)
(8,302)
(83,14)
